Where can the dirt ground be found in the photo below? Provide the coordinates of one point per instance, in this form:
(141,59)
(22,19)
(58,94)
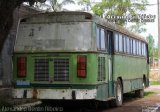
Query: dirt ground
(154,75)
(150,103)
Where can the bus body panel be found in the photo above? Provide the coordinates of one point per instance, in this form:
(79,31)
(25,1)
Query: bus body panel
(50,48)
(131,69)
(91,77)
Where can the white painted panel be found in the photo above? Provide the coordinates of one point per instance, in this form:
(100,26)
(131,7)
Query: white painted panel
(56,93)
(54,36)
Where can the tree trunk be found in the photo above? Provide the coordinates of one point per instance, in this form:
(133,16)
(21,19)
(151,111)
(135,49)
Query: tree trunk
(6,18)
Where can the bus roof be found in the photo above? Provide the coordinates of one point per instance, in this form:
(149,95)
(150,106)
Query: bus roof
(71,16)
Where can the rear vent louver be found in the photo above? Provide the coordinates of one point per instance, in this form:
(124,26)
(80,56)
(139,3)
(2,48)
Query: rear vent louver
(101,69)
(41,70)
(61,69)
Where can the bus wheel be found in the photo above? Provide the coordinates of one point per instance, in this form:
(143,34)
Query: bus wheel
(139,93)
(119,95)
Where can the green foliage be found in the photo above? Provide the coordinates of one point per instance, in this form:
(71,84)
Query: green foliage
(146,94)
(118,8)
(86,3)
(138,28)
(57,6)
(156,53)
(150,41)
(155,82)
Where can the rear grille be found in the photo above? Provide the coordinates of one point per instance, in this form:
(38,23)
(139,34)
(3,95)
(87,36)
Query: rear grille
(101,69)
(61,69)
(41,70)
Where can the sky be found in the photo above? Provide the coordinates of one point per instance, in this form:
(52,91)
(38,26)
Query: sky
(152,28)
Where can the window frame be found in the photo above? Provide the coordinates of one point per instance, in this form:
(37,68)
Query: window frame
(98,39)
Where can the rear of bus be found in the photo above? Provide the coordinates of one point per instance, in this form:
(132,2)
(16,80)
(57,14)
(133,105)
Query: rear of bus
(54,57)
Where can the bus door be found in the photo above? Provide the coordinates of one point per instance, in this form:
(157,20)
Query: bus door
(109,37)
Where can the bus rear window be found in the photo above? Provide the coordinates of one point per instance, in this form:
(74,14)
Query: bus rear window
(73,36)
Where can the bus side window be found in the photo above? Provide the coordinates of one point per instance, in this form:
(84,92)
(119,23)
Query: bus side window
(128,46)
(102,40)
(142,50)
(131,46)
(134,47)
(124,44)
(116,42)
(98,37)
(145,50)
(120,43)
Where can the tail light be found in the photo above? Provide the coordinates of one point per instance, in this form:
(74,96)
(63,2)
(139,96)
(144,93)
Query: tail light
(81,66)
(21,66)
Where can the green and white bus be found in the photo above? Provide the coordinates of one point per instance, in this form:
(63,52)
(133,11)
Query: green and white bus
(77,56)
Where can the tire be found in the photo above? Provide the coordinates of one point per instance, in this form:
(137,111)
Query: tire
(119,95)
(139,93)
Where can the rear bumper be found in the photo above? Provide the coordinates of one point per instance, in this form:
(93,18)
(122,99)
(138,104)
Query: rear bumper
(57,94)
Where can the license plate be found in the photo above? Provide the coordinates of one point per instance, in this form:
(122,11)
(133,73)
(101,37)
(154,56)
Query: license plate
(22,83)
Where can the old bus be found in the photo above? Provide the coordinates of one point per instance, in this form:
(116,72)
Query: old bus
(77,56)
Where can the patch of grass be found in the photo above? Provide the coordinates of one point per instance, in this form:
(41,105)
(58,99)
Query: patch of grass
(148,93)
(132,94)
(155,82)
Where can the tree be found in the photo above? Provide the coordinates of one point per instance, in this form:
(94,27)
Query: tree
(57,6)
(156,53)
(86,3)
(118,9)
(138,28)
(150,41)
(6,16)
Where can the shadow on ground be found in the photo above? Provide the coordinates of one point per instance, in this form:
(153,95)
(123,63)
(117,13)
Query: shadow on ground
(86,106)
